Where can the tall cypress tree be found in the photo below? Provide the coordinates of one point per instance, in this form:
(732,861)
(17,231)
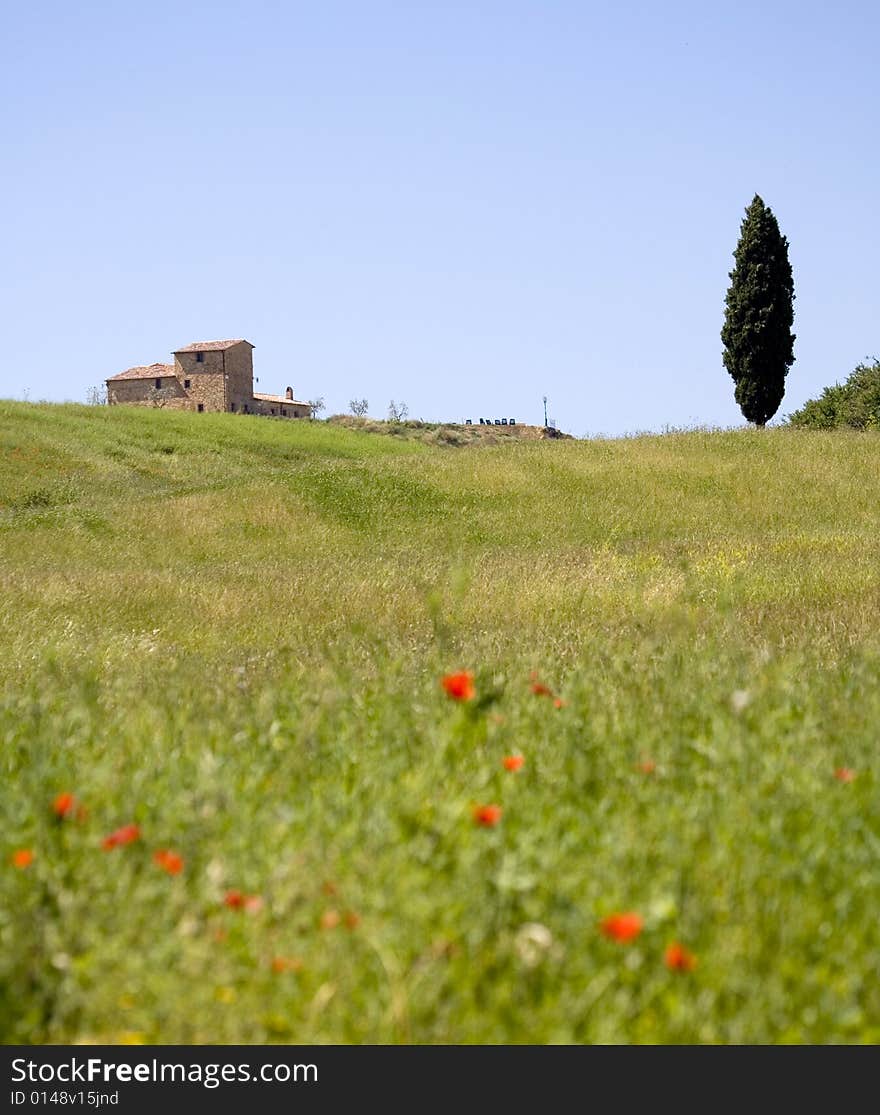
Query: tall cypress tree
(758,316)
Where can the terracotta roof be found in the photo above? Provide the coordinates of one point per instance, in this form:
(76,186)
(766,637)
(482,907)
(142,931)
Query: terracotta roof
(280,399)
(145,371)
(211,346)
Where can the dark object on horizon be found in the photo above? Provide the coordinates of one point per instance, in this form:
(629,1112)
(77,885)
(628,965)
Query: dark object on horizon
(757,336)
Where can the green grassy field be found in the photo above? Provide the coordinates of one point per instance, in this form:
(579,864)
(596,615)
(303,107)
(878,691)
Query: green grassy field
(231,632)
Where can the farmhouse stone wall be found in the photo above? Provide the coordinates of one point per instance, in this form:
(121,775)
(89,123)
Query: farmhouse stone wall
(143,392)
(206,382)
(240,377)
(282,409)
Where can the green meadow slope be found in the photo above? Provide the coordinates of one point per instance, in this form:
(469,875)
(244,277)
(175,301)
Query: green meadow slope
(231,633)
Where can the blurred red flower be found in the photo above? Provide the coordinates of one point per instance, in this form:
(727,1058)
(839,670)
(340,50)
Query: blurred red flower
(646,766)
(169,861)
(22,858)
(679,959)
(844,774)
(487,815)
(460,687)
(622,926)
(126,835)
(558,703)
(329,919)
(286,964)
(63,804)
(541,690)
(513,762)
(352,920)
(235,900)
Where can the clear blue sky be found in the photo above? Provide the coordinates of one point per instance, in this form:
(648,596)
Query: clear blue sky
(461,205)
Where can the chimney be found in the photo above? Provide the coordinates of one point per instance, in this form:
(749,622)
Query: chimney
(288,394)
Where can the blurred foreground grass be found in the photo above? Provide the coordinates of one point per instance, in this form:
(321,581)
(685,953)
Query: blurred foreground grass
(231,633)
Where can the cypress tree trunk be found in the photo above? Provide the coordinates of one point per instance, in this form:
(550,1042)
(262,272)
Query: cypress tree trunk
(759,313)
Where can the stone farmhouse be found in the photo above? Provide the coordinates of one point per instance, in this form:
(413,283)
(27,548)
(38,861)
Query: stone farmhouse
(205,376)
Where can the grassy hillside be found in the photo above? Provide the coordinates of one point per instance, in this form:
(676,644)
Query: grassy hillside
(231,632)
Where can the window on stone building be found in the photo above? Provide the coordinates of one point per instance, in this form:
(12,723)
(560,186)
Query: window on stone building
(158,383)
(186,383)
(201,407)
(200,358)
(232,407)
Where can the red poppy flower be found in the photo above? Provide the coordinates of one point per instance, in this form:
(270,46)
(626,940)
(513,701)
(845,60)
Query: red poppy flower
(22,858)
(558,703)
(622,926)
(844,774)
(169,861)
(126,835)
(679,959)
(487,815)
(513,762)
(460,687)
(646,766)
(351,919)
(235,900)
(63,804)
(541,690)
(286,964)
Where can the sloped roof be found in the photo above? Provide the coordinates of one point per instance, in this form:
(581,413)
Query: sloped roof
(211,346)
(145,371)
(280,399)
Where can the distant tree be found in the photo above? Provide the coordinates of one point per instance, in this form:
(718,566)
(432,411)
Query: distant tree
(162,396)
(317,405)
(759,313)
(854,404)
(358,407)
(397,412)
(96,396)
